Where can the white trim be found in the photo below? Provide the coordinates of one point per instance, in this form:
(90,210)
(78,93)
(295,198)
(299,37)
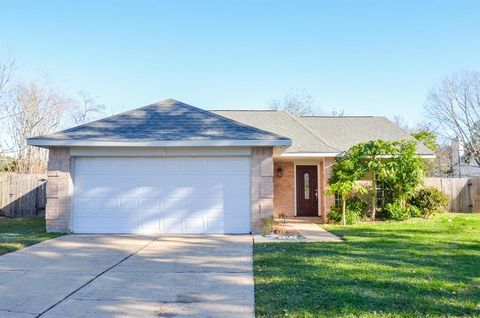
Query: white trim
(180,143)
(295,188)
(311,154)
(295,164)
(334,154)
(71,225)
(159,151)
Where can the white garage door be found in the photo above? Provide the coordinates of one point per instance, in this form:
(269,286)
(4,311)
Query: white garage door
(161,195)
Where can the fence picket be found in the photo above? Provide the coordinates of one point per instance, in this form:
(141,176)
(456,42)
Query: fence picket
(22,194)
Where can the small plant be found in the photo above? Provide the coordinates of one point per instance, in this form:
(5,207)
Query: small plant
(279,229)
(267,225)
(429,200)
(282,216)
(394,211)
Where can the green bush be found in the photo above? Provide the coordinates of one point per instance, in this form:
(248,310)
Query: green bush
(429,200)
(354,211)
(415,212)
(393,211)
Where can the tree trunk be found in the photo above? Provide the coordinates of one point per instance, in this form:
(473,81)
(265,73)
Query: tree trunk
(374,196)
(344,211)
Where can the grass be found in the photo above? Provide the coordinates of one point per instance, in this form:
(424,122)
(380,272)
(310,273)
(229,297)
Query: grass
(17,233)
(415,268)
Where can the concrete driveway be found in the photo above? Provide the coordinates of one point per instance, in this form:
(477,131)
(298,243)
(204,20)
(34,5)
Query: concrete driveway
(129,276)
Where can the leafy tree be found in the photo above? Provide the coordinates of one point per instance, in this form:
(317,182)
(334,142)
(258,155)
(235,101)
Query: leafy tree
(427,138)
(371,155)
(406,171)
(393,162)
(344,188)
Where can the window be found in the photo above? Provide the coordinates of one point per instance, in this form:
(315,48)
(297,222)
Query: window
(338,200)
(381,194)
(306,186)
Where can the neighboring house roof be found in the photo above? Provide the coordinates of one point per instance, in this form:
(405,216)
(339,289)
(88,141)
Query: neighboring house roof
(323,134)
(166,123)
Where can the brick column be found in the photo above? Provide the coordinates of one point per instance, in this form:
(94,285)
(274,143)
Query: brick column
(59,189)
(261,186)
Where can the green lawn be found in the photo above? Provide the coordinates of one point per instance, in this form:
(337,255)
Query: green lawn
(17,233)
(414,268)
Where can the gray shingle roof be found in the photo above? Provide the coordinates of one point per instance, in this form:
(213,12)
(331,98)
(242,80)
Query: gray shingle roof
(323,134)
(166,121)
(282,123)
(347,131)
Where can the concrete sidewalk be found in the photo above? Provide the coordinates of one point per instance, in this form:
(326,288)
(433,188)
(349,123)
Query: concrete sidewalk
(129,276)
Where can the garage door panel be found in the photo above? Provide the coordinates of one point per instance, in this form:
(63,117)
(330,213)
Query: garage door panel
(173,225)
(194,225)
(235,206)
(162,195)
(235,225)
(214,225)
(215,165)
(173,165)
(238,166)
(128,203)
(150,203)
(106,225)
(86,203)
(237,184)
(173,203)
(151,224)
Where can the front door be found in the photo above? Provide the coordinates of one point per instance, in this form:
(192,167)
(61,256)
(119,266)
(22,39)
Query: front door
(307,191)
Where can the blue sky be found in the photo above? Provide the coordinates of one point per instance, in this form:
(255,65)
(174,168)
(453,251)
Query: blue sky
(366,57)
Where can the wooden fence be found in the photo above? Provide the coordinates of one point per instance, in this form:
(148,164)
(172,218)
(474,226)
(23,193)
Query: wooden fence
(22,194)
(464,193)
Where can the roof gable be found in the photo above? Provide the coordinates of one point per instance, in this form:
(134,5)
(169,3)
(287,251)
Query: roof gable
(169,122)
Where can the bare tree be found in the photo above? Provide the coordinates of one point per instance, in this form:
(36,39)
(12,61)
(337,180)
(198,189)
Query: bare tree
(454,105)
(34,109)
(7,67)
(85,110)
(300,103)
(297,103)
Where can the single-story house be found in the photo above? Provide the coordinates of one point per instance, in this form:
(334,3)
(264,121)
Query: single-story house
(173,168)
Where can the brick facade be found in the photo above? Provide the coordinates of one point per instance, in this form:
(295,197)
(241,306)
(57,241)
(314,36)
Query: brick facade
(261,186)
(284,189)
(59,189)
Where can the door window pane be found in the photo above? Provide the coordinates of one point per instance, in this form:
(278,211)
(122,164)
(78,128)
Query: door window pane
(306,186)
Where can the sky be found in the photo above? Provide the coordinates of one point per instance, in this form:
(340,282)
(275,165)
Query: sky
(365,57)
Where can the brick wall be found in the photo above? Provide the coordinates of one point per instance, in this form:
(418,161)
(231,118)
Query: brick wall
(59,189)
(261,186)
(284,189)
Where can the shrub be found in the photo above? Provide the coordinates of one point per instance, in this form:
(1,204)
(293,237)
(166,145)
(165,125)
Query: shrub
(429,200)
(356,204)
(394,211)
(355,208)
(267,225)
(415,212)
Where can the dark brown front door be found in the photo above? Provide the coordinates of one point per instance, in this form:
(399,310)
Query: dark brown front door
(307,191)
